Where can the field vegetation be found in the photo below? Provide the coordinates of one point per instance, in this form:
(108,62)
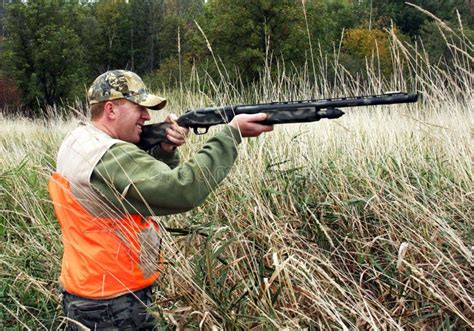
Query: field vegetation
(365,222)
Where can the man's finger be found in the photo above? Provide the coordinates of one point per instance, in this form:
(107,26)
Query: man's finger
(258,117)
(173,117)
(177,133)
(259,128)
(175,141)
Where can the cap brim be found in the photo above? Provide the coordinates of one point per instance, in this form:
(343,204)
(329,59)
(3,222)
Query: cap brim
(150,101)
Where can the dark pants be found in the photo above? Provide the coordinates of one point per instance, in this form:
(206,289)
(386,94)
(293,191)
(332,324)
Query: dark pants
(126,312)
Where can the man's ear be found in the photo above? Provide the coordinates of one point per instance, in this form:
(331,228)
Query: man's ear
(109,110)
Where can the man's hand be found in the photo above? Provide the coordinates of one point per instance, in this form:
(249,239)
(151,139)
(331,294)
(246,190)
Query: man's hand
(247,125)
(175,133)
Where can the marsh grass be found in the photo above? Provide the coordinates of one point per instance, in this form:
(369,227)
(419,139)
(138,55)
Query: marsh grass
(364,222)
(342,228)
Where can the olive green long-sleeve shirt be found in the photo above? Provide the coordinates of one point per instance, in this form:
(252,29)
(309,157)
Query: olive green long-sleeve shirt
(133,180)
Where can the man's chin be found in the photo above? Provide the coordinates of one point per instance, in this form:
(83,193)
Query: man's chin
(132,140)
(135,140)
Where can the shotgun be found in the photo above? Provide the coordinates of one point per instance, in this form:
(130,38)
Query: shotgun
(200,120)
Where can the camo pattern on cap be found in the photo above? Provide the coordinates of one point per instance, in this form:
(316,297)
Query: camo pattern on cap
(123,84)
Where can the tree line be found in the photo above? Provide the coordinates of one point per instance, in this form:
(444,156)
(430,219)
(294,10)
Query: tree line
(52,50)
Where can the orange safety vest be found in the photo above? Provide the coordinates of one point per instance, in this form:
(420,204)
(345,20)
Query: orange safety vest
(101,255)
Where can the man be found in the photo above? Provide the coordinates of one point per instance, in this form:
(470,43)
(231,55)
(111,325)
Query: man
(105,188)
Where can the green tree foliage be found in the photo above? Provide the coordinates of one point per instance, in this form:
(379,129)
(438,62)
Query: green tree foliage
(181,44)
(179,17)
(114,35)
(246,34)
(417,23)
(54,48)
(249,35)
(43,51)
(411,20)
(440,53)
(144,17)
(332,17)
(128,34)
(360,44)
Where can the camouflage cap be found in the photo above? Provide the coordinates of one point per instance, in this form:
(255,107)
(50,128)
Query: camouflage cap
(123,84)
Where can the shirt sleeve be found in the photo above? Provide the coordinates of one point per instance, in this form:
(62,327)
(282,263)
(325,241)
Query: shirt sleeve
(170,158)
(134,181)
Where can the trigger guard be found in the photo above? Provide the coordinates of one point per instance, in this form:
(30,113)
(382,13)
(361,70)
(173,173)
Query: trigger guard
(200,130)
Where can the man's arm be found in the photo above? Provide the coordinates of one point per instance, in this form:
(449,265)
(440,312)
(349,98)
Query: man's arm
(132,180)
(171,158)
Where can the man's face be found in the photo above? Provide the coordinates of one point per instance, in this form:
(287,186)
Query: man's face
(130,118)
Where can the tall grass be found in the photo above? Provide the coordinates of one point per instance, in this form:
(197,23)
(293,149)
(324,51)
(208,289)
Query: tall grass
(365,222)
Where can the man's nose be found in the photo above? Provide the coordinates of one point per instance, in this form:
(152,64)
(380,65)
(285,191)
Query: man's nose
(146,114)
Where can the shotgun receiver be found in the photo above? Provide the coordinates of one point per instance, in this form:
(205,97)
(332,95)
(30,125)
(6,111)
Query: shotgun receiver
(200,120)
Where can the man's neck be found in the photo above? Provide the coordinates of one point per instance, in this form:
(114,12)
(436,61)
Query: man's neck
(104,127)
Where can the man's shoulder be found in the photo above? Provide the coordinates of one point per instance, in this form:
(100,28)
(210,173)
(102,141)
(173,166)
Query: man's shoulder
(122,150)
(85,145)
(87,136)
(125,147)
